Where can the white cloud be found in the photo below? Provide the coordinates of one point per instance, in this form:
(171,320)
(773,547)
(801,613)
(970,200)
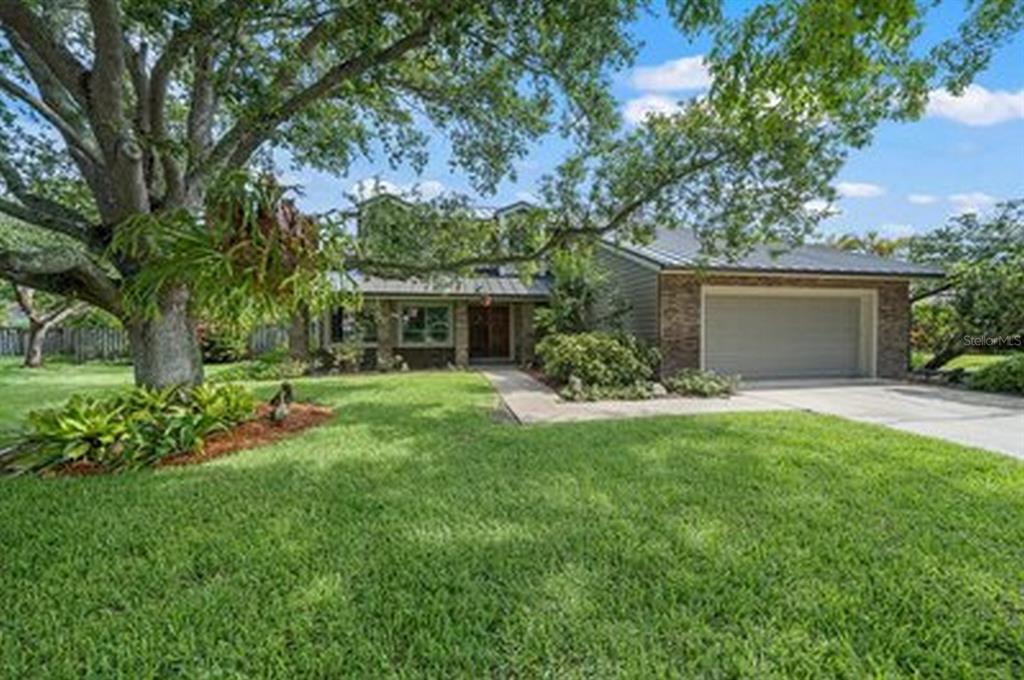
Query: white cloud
(977,106)
(429,189)
(971,201)
(688,73)
(859,190)
(897,230)
(374,186)
(922,199)
(637,109)
(820,205)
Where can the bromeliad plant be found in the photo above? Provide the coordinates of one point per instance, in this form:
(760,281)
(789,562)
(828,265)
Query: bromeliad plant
(130,430)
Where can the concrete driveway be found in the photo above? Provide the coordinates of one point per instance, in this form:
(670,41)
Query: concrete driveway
(987,421)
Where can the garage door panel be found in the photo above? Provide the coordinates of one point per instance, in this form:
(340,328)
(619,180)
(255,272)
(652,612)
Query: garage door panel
(794,336)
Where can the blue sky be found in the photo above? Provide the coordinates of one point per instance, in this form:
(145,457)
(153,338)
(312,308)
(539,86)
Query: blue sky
(965,154)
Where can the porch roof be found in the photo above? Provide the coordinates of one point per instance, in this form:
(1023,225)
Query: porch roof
(500,287)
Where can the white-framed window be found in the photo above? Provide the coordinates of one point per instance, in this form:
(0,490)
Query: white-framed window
(426,324)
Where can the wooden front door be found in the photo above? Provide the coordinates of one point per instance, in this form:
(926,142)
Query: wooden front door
(488,332)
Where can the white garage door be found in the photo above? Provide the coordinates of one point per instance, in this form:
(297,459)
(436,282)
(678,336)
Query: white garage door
(788,336)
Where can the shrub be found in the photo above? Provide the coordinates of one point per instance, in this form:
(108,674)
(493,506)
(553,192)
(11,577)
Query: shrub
(276,365)
(601,362)
(697,383)
(346,357)
(575,390)
(222,345)
(131,429)
(1004,376)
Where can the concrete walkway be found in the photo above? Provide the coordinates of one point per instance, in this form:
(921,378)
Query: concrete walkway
(531,401)
(988,421)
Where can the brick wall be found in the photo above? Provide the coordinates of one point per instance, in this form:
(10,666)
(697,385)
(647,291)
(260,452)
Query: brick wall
(679,311)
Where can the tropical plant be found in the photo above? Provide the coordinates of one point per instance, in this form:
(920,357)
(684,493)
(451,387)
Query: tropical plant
(583,297)
(128,430)
(871,243)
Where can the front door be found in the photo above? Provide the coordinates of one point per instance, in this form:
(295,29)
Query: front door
(488,332)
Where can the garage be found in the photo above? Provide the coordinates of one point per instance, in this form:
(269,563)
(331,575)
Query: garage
(788,332)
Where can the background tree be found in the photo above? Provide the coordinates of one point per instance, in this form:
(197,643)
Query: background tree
(983,295)
(870,243)
(43,312)
(583,296)
(154,105)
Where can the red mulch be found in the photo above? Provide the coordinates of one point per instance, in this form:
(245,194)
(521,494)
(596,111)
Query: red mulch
(249,435)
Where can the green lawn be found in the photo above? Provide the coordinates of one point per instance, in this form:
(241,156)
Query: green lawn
(968,362)
(415,537)
(25,389)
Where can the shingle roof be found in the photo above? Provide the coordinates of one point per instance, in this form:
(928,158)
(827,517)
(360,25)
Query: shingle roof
(674,249)
(465,287)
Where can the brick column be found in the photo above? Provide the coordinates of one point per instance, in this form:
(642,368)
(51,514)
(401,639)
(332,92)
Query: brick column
(526,335)
(679,307)
(461,335)
(893,329)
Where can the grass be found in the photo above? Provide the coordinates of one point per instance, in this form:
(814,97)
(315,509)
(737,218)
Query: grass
(415,537)
(968,362)
(26,389)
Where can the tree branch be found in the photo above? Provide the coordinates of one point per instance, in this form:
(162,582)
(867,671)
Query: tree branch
(25,297)
(45,212)
(70,134)
(238,143)
(565,233)
(62,271)
(64,313)
(58,58)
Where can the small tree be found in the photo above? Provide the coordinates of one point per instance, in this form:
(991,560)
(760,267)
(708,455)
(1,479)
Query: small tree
(43,312)
(983,296)
(583,297)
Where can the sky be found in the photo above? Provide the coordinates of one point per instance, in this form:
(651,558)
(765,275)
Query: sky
(965,154)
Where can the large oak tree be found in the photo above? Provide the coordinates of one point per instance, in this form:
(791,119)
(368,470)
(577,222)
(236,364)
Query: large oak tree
(151,105)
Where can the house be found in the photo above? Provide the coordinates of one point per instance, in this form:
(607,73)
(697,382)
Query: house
(810,312)
(433,323)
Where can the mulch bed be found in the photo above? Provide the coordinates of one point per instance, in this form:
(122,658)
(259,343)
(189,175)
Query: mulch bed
(260,431)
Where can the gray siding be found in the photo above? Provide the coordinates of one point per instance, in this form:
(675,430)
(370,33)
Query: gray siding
(637,284)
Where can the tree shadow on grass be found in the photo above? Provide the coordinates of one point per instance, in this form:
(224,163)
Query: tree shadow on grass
(413,536)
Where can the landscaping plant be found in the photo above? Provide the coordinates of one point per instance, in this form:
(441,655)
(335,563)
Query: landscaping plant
(598,365)
(1003,376)
(274,365)
(694,382)
(131,429)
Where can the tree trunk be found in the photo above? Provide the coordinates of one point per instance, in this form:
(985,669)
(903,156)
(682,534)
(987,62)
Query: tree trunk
(298,334)
(34,346)
(165,350)
(944,356)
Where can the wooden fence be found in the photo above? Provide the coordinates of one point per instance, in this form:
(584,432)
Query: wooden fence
(86,344)
(81,344)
